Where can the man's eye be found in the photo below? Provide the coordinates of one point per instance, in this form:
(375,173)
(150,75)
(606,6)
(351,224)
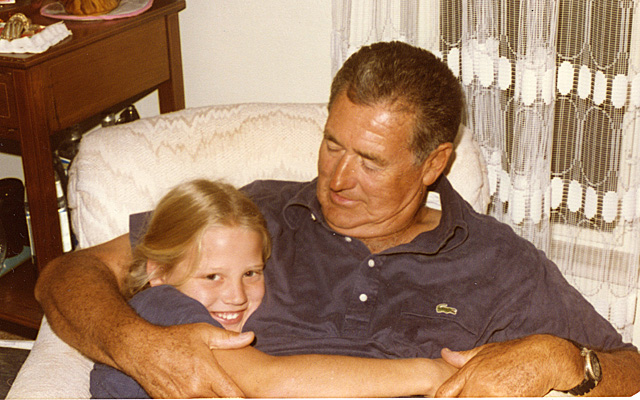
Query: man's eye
(370,165)
(332,146)
(213,277)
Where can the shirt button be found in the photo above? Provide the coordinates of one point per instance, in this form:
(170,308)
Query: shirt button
(347,239)
(363,297)
(313,217)
(371,263)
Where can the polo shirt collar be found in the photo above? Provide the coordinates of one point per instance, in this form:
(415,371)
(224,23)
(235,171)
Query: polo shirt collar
(304,204)
(450,233)
(452,230)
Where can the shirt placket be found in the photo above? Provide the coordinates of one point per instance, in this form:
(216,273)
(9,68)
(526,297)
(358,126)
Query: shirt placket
(363,298)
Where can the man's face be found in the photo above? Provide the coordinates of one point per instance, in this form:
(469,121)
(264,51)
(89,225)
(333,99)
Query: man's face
(369,185)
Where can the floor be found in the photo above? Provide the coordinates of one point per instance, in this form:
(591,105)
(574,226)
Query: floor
(11,360)
(11,336)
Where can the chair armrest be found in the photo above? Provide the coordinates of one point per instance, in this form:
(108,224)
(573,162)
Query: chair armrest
(53,370)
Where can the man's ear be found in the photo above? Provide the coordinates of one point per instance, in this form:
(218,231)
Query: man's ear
(436,163)
(154,270)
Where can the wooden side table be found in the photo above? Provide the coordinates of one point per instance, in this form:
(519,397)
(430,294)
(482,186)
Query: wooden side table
(99,69)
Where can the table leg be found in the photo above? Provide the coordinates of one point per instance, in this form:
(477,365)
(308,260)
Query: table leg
(171,92)
(37,163)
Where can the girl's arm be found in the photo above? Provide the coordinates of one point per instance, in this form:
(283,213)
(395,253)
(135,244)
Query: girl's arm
(261,375)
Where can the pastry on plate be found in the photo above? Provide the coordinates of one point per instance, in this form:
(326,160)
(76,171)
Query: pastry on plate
(89,7)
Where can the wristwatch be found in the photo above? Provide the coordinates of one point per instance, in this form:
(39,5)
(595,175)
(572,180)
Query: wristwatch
(592,371)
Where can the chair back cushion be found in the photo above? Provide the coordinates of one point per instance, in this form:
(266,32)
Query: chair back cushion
(126,168)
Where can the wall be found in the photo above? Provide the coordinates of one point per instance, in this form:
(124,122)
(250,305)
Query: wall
(246,51)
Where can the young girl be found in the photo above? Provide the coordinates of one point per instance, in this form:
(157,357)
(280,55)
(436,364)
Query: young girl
(201,260)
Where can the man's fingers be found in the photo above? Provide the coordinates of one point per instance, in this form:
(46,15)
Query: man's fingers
(223,386)
(452,387)
(458,358)
(455,385)
(225,340)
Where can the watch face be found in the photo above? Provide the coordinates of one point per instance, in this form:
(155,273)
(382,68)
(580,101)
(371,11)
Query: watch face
(593,366)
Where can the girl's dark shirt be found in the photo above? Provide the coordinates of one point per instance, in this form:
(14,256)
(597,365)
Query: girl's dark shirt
(161,305)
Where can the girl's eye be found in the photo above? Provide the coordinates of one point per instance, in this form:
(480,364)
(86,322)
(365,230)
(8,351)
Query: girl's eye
(213,277)
(251,274)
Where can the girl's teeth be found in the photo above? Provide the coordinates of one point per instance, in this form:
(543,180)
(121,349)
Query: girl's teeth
(228,316)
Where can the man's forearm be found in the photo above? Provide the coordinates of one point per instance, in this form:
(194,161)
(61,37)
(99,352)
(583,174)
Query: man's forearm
(81,298)
(506,369)
(620,371)
(620,374)
(80,293)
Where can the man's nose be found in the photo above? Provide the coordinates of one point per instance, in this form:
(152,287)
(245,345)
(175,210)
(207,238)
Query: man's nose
(234,293)
(342,177)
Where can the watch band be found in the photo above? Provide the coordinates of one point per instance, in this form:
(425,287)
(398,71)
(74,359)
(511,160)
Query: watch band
(592,371)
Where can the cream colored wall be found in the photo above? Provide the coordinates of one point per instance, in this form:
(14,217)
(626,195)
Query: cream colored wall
(246,51)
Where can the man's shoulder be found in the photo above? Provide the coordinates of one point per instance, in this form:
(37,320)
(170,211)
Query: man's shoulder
(271,187)
(487,233)
(276,193)
(483,230)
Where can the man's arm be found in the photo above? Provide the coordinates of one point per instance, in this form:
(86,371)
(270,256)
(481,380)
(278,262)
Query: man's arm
(533,366)
(80,295)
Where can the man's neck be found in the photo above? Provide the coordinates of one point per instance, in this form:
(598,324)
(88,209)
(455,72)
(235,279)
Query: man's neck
(428,220)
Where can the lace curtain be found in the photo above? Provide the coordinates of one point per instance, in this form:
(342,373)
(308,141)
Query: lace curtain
(553,98)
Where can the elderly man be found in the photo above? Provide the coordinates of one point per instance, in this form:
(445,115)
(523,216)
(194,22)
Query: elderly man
(362,267)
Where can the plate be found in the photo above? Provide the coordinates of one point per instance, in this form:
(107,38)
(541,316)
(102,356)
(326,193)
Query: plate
(126,9)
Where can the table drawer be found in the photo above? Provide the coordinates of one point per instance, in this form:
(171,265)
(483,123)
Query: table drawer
(110,71)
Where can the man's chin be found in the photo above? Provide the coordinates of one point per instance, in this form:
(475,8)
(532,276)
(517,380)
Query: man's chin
(346,226)
(340,218)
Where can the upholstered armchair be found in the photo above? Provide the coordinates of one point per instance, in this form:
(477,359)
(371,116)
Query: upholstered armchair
(126,168)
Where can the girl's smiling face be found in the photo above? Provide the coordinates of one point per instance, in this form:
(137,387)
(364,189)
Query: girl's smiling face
(228,279)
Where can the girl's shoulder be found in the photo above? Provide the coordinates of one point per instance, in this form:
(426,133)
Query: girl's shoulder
(165,305)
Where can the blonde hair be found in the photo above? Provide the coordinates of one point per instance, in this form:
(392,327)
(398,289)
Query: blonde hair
(179,222)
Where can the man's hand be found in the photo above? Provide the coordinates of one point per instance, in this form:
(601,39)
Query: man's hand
(529,367)
(176,361)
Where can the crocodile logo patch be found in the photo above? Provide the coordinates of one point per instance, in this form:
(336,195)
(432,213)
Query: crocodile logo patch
(443,308)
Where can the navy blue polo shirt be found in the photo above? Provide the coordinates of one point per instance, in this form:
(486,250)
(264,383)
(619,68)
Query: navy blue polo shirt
(470,281)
